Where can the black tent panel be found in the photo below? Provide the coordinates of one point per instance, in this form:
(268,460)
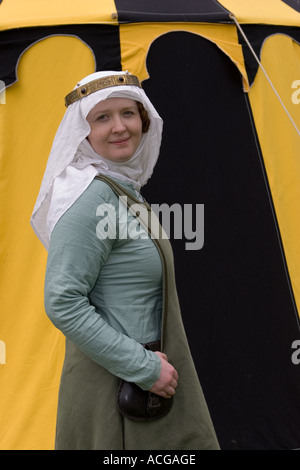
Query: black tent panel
(102,39)
(293,3)
(256,35)
(235,295)
(209,11)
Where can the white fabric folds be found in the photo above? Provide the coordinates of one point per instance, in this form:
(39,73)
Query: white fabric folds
(73,163)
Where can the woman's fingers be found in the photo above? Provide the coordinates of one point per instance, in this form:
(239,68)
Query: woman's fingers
(167,382)
(162,355)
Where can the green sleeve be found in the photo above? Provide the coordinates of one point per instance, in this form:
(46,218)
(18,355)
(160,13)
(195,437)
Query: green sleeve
(75,258)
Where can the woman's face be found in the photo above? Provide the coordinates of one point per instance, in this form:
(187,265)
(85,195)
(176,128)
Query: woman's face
(116,128)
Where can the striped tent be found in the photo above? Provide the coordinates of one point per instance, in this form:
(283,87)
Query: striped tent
(225,77)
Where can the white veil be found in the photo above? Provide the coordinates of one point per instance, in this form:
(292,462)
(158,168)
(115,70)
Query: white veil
(73,163)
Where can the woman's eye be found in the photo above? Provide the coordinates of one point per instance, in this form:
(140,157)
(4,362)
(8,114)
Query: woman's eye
(102,117)
(128,113)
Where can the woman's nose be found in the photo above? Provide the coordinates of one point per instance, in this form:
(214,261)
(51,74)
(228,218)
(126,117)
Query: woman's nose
(118,125)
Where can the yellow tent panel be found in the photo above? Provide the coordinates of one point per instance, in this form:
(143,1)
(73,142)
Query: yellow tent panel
(280,141)
(17,13)
(31,374)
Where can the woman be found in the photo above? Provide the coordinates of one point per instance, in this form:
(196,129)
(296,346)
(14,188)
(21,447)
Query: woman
(108,293)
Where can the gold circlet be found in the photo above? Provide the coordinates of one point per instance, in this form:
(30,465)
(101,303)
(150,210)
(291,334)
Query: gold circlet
(99,84)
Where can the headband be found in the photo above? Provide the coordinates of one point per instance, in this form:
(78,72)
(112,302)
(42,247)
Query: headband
(99,84)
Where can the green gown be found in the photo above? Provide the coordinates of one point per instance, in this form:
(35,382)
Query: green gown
(108,295)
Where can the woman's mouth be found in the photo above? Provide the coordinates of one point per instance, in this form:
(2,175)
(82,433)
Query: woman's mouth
(120,141)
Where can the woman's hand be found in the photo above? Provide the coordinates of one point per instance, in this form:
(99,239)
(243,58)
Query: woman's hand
(167,382)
